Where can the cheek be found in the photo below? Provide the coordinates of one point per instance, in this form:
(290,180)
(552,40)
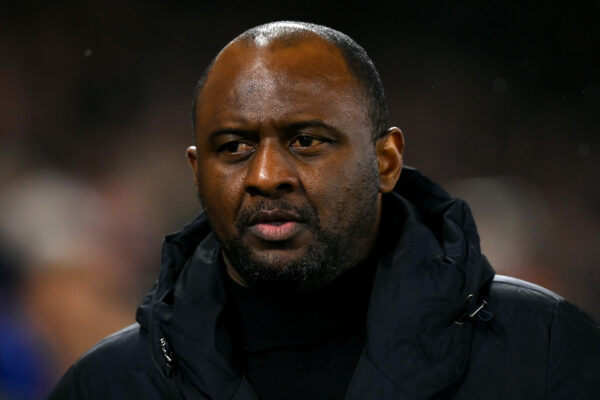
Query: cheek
(220,193)
(336,190)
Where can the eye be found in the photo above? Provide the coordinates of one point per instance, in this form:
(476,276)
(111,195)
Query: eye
(234,147)
(306,141)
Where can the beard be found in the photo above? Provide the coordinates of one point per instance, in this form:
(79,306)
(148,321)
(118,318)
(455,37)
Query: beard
(327,256)
(319,264)
(331,252)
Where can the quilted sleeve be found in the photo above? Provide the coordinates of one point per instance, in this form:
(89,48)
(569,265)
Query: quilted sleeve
(574,355)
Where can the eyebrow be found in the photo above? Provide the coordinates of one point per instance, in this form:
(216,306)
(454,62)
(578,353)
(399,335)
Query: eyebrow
(231,131)
(294,126)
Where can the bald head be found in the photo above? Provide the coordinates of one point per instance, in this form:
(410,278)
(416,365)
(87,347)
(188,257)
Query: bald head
(291,34)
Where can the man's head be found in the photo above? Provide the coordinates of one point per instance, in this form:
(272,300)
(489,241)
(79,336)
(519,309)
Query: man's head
(289,163)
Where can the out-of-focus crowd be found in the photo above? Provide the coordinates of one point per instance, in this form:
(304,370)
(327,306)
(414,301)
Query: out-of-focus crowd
(95,119)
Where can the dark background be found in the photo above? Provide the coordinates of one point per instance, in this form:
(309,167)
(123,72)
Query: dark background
(498,102)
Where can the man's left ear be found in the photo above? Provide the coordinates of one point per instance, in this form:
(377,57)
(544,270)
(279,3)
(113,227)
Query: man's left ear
(192,157)
(389,150)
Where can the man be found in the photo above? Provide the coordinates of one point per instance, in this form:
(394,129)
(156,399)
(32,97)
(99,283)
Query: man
(320,267)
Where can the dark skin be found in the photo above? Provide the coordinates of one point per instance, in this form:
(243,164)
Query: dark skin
(288,124)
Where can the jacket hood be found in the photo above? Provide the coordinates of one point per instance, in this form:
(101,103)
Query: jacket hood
(430,273)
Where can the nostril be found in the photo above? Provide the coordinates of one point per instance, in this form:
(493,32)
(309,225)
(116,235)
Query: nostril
(285,187)
(252,191)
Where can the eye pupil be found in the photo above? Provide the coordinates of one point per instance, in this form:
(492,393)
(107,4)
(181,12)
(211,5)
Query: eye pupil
(232,147)
(305,141)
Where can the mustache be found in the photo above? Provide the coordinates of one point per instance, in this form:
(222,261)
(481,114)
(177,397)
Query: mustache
(305,214)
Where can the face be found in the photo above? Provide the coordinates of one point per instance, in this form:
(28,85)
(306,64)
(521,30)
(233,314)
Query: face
(284,164)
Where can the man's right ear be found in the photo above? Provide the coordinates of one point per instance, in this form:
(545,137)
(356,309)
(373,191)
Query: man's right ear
(389,150)
(192,157)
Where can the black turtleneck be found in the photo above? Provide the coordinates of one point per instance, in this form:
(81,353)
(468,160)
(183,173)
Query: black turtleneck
(303,345)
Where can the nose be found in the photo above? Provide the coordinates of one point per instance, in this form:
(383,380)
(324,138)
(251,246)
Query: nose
(271,172)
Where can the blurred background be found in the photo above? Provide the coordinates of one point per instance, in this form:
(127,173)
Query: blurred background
(500,103)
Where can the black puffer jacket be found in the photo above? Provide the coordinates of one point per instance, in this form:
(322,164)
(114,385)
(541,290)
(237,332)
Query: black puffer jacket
(427,334)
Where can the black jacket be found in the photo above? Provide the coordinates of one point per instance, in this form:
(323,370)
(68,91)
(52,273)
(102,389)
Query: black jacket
(439,325)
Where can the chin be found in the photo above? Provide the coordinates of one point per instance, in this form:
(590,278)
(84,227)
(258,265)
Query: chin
(278,259)
(284,270)
(300,264)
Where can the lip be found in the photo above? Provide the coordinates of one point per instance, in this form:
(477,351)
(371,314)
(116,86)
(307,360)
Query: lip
(275,225)
(276,231)
(266,216)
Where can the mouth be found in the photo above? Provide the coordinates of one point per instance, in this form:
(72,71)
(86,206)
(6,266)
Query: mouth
(275,225)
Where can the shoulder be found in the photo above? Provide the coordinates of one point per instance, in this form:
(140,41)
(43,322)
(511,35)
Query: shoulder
(517,287)
(118,365)
(518,304)
(507,294)
(126,349)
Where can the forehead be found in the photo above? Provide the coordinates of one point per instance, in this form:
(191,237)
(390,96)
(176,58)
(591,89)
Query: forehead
(276,79)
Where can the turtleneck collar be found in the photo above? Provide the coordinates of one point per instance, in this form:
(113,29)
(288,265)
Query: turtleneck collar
(269,319)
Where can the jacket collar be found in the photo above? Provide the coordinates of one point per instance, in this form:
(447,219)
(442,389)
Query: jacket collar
(430,264)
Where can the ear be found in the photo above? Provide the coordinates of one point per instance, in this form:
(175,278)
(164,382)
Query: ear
(389,150)
(192,157)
